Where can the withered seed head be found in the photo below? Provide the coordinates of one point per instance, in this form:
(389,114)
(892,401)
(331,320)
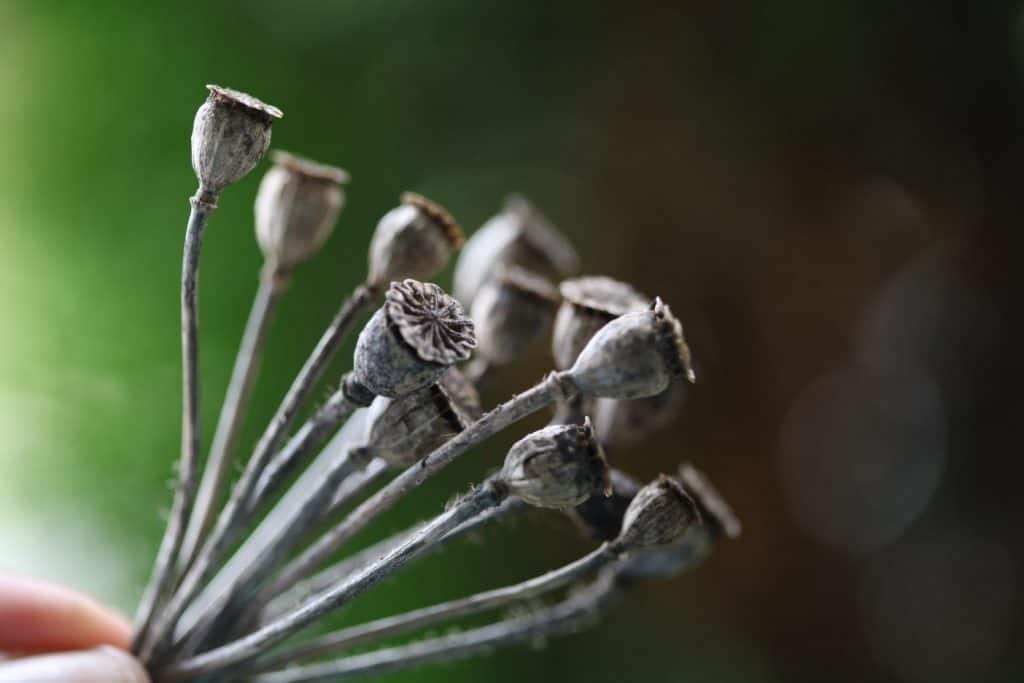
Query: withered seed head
(557,467)
(404,430)
(230,135)
(633,356)
(588,304)
(296,208)
(413,240)
(518,236)
(510,312)
(660,513)
(621,423)
(412,339)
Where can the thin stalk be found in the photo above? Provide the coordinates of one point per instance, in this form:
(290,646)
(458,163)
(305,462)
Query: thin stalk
(401,624)
(164,575)
(567,616)
(505,414)
(255,644)
(232,412)
(229,524)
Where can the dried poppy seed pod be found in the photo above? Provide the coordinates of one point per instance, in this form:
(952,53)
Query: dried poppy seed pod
(588,304)
(296,208)
(557,467)
(411,340)
(413,240)
(633,356)
(406,429)
(230,135)
(660,513)
(518,236)
(621,423)
(512,310)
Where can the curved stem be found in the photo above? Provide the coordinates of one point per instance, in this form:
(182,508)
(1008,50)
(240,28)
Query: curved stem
(163,577)
(236,402)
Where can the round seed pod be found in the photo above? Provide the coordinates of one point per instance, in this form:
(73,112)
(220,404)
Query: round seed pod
(557,467)
(411,340)
(512,310)
(659,514)
(621,423)
(518,236)
(635,355)
(230,135)
(413,240)
(296,208)
(588,304)
(406,429)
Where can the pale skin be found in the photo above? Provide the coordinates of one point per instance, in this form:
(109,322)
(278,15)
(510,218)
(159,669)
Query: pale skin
(52,634)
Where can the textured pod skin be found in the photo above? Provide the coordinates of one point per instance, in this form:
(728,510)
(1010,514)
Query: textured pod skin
(634,356)
(659,514)
(404,430)
(557,467)
(512,311)
(588,304)
(413,240)
(518,236)
(296,208)
(622,423)
(230,135)
(411,340)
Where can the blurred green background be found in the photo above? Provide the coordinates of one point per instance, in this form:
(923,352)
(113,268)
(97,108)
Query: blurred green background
(828,194)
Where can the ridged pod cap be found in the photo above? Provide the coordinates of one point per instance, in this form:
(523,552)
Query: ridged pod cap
(512,311)
(413,240)
(659,514)
(411,340)
(633,356)
(296,208)
(557,467)
(404,430)
(230,135)
(518,236)
(621,423)
(588,304)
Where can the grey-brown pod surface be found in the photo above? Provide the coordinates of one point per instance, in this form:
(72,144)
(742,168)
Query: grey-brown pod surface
(557,467)
(512,310)
(621,423)
(413,240)
(411,340)
(406,429)
(659,514)
(635,355)
(517,236)
(230,135)
(588,304)
(296,208)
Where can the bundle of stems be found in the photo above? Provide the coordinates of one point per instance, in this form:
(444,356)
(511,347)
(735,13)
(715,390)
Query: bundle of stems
(242,574)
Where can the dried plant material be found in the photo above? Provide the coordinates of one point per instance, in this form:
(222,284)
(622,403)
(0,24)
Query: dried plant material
(413,240)
(513,310)
(621,423)
(588,304)
(715,511)
(660,513)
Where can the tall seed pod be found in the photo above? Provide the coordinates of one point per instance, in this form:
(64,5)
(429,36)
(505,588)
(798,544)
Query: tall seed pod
(413,240)
(512,311)
(635,355)
(230,135)
(518,236)
(622,423)
(557,467)
(588,304)
(296,208)
(411,340)
(403,430)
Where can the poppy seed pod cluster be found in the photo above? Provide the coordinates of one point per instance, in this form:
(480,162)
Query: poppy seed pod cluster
(511,311)
(635,355)
(518,236)
(557,467)
(230,135)
(296,208)
(413,240)
(411,340)
(588,304)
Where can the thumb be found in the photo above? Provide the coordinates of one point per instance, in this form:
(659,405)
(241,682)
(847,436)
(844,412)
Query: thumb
(100,665)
